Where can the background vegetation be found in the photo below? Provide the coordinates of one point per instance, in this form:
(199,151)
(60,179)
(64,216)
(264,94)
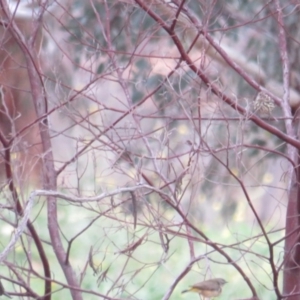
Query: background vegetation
(147,146)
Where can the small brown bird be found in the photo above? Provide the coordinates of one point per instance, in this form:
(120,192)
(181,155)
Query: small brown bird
(209,288)
(263,104)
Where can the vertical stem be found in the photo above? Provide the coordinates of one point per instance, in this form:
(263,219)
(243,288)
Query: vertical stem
(49,173)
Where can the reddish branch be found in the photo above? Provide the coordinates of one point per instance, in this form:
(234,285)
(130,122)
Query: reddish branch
(214,88)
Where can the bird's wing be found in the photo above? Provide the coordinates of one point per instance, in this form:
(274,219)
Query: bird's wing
(209,285)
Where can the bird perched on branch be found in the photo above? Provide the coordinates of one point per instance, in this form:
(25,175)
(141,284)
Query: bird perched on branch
(263,103)
(209,288)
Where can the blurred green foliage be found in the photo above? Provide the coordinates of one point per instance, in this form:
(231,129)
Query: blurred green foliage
(148,271)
